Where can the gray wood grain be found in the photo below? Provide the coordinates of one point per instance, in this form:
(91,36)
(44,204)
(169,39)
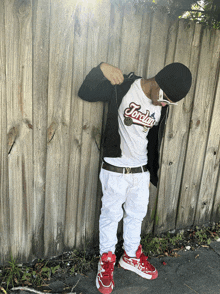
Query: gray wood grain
(41,20)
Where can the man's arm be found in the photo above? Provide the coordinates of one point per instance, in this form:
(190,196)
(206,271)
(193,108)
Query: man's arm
(112,73)
(98,84)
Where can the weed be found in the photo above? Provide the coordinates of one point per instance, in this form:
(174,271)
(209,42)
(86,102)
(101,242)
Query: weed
(12,273)
(35,275)
(167,244)
(82,261)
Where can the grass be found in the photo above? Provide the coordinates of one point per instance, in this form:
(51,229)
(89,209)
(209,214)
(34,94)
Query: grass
(168,244)
(41,272)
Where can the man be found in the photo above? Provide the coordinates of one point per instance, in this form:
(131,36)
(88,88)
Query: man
(137,112)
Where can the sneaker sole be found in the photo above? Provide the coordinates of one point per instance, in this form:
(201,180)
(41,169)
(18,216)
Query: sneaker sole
(137,271)
(107,290)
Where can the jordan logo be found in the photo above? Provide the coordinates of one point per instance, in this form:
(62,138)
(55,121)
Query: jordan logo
(133,115)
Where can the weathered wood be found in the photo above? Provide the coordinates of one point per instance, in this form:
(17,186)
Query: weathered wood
(4,199)
(176,135)
(59,100)
(115,29)
(76,125)
(92,123)
(41,13)
(144,48)
(11,137)
(157,51)
(172,35)
(212,156)
(215,214)
(199,130)
(18,17)
(130,39)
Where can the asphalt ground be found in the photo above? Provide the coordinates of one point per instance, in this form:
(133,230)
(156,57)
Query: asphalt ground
(190,272)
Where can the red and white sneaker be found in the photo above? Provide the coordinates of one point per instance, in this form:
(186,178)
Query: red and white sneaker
(104,278)
(139,265)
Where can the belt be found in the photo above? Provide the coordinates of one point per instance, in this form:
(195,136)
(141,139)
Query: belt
(126,170)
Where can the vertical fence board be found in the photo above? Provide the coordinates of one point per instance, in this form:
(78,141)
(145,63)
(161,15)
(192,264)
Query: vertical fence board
(199,129)
(130,39)
(215,216)
(157,51)
(59,100)
(175,140)
(19,112)
(13,120)
(212,155)
(4,201)
(144,49)
(92,123)
(41,17)
(115,30)
(172,35)
(76,126)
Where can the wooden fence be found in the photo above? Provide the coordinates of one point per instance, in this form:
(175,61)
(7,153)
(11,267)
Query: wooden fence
(49,188)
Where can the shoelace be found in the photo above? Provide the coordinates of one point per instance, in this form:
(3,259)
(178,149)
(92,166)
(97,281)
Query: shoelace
(108,268)
(143,260)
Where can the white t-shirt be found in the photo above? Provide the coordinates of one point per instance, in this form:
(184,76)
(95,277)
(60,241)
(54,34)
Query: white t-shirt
(136,115)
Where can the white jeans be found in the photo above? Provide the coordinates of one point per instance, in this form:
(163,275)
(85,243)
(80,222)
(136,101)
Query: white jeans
(132,192)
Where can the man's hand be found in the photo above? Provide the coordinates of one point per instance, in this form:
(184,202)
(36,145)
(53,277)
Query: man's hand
(112,73)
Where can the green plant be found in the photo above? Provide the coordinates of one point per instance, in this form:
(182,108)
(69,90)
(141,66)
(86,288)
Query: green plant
(12,273)
(168,244)
(82,261)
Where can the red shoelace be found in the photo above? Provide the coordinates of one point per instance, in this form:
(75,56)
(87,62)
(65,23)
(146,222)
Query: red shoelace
(143,260)
(108,267)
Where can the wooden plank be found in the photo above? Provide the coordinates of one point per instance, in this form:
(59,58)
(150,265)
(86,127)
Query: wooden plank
(41,17)
(92,123)
(176,135)
(172,35)
(210,173)
(4,200)
(76,126)
(215,213)
(144,50)
(158,39)
(59,100)
(199,130)
(130,39)
(18,16)
(114,41)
